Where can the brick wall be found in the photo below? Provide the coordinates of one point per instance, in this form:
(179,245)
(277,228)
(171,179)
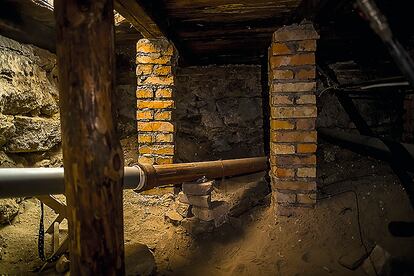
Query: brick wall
(155,59)
(293,138)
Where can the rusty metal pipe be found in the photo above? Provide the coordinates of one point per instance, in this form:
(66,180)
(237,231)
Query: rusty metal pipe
(159,175)
(26,182)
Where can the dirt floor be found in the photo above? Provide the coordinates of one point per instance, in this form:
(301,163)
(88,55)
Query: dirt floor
(257,242)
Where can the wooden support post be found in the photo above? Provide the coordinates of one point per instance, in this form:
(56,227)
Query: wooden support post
(93,157)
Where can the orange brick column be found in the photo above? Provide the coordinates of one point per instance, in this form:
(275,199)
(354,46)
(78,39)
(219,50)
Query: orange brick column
(293,138)
(155,66)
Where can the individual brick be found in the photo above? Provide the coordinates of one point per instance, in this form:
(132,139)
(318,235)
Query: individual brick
(293,112)
(145,160)
(216,212)
(144,69)
(295,160)
(281,124)
(295,32)
(164,138)
(294,60)
(147,46)
(280,49)
(306,172)
(296,185)
(155,104)
(142,93)
(306,74)
(282,148)
(306,99)
(144,138)
(144,115)
(141,59)
(282,172)
(306,148)
(158,80)
(203,201)
(285,198)
(162,115)
(305,124)
(306,45)
(163,93)
(156,126)
(162,160)
(282,74)
(156,149)
(282,100)
(194,188)
(162,70)
(294,87)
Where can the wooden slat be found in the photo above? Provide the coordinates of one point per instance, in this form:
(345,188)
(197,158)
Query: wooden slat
(138,17)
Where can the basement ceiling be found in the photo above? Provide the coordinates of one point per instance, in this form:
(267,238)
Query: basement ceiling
(220,31)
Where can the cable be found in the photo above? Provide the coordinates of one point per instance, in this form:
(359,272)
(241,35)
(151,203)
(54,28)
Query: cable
(358,220)
(41,240)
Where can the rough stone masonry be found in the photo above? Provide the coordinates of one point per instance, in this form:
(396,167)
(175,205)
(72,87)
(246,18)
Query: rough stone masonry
(156,59)
(293,138)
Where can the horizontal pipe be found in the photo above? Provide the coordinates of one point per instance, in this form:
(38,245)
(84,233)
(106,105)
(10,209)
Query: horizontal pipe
(397,153)
(26,182)
(159,175)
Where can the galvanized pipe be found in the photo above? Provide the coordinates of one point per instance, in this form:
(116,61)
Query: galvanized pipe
(25,182)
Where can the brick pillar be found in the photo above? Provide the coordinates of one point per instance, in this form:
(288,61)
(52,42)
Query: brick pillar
(293,138)
(156,59)
(408,131)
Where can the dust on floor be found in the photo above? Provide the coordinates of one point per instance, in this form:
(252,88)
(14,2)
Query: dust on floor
(257,242)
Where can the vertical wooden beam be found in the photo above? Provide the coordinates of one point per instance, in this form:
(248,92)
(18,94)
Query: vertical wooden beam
(93,157)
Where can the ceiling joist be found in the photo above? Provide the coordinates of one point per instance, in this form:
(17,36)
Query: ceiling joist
(134,12)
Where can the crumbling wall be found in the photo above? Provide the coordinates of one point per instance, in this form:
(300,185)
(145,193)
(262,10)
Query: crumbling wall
(218,112)
(125,104)
(29,113)
(382,109)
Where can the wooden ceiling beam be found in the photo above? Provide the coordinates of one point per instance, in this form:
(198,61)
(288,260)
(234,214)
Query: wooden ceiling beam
(135,13)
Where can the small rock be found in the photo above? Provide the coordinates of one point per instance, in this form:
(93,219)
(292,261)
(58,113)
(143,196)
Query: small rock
(8,210)
(218,212)
(139,260)
(196,227)
(183,209)
(34,134)
(173,217)
(183,198)
(353,259)
(62,265)
(378,262)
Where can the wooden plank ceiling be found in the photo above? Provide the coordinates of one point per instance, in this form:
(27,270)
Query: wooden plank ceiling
(220,31)
(204,31)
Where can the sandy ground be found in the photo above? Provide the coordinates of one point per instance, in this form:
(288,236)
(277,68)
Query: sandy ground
(257,242)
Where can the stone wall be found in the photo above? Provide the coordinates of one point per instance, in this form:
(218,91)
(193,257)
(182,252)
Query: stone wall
(382,109)
(29,113)
(218,113)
